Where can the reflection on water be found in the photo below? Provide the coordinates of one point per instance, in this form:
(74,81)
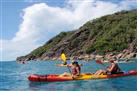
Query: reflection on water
(115,84)
(58,86)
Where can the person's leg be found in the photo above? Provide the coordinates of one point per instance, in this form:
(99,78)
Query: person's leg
(65,74)
(99,72)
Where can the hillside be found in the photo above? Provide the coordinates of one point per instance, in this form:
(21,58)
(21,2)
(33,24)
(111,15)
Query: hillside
(111,33)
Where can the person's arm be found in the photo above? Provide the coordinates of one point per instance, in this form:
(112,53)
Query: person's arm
(62,65)
(112,67)
(69,65)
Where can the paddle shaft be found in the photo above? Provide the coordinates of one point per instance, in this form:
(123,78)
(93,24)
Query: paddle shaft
(69,70)
(100,62)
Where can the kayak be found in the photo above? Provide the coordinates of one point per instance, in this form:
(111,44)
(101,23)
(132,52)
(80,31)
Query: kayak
(84,76)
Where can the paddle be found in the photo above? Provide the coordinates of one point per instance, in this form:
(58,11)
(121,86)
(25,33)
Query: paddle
(100,62)
(63,57)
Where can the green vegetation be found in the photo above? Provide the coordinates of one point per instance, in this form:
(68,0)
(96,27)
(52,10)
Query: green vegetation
(117,32)
(49,45)
(109,33)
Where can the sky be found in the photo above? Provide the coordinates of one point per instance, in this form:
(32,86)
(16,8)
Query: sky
(28,24)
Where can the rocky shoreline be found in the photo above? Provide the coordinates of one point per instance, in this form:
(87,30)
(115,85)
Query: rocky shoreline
(86,57)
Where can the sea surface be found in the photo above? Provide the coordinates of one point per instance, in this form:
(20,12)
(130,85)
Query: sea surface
(13,77)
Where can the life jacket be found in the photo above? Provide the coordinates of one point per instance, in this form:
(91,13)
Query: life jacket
(116,69)
(74,70)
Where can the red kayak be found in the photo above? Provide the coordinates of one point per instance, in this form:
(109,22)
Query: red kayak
(84,76)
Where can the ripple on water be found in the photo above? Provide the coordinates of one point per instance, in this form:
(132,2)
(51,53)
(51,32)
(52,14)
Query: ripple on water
(13,77)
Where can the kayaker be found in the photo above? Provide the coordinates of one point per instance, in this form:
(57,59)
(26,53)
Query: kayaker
(75,69)
(112,69)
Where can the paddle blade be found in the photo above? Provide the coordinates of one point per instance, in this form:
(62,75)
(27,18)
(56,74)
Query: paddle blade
(99,62)
(63,57)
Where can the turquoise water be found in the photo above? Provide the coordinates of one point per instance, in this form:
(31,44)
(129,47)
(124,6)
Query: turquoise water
(13,77)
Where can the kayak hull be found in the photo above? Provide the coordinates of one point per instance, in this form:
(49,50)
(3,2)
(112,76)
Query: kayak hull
(84,76)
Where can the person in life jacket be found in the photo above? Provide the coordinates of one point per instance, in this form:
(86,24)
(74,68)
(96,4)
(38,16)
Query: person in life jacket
(112,69)
(75,69)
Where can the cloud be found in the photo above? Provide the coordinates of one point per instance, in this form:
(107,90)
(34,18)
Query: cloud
(40,22)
